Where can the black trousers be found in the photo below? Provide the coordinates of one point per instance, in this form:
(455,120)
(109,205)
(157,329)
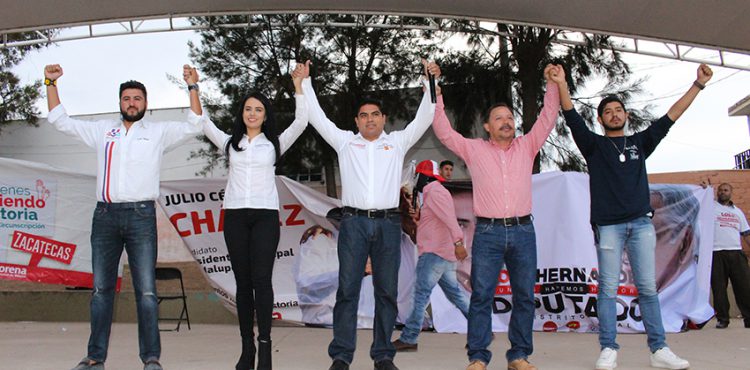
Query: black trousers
(730,265)
(252,237)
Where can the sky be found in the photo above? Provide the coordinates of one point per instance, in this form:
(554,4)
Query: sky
(704,138)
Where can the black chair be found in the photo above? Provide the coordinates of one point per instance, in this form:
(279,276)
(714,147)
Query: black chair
(171,273)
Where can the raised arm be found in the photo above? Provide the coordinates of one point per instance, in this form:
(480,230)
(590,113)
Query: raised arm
(290,135)
(190,75)
(582,136)
(87,131)
(452,140)
(51,73)
(425,113)
(678,108)
(548,117)
(175,133)
(333,135)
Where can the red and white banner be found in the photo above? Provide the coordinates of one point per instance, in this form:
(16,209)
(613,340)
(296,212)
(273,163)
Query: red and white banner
(305,276)
(566,283)
(45,224)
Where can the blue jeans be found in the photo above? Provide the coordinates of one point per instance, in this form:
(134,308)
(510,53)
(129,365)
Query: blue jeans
(515,247)
(359,237)
(132,225)
(432,269)
(639,239)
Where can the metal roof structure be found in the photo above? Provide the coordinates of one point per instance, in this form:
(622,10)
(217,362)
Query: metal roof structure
(707,31)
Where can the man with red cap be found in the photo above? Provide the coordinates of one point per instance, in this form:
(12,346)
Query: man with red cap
(440,244)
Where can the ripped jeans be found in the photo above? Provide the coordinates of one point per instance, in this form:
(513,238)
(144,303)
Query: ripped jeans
(132,226)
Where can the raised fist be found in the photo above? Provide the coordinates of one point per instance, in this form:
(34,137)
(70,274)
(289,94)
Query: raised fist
(704,73)
(190,75)
(53,71)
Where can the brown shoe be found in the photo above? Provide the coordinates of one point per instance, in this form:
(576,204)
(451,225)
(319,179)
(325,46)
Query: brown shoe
(404,347)
(477,365)
(521,364)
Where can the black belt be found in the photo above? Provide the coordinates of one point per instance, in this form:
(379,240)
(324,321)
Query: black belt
(126,205)
(509,221)
(372,213)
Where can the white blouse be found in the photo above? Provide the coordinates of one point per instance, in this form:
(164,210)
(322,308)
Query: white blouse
(251,181)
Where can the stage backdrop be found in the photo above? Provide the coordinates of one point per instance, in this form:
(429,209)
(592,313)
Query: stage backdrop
(45,224)
(305,275)
(566,283)
(45,220)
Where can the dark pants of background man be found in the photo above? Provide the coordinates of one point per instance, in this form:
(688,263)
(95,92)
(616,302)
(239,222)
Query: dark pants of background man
(731,265)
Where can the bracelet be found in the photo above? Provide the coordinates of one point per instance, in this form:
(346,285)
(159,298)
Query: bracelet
(699,85)
(193,87)
(48,82)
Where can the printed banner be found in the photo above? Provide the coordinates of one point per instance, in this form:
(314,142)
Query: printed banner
(305,276)
(566,283)
(45,224)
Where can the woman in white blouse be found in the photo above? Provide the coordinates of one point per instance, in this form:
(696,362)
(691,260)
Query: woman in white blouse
(251,206)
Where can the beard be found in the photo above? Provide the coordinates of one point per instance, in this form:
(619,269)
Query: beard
(611,127)
(132,118)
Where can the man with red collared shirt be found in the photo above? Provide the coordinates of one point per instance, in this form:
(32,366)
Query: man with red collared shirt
(440,242)
(501,177)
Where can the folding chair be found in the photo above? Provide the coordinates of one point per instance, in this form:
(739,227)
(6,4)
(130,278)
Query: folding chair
(171,273)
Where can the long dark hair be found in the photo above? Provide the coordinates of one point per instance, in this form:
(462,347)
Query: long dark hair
(268,127)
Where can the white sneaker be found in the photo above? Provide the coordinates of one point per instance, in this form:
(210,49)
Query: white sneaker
(666,359)
(607,359)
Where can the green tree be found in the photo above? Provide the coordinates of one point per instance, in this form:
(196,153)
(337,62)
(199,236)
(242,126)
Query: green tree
(16,99)
(513,60)
(348,64)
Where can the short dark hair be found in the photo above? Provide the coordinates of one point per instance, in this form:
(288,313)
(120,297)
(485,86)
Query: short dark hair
(446,162)
(370,101)
(607,100)
(726,184)
(492,107)
(133,84)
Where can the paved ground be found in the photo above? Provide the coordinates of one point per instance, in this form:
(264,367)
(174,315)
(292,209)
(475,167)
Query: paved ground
(45,345)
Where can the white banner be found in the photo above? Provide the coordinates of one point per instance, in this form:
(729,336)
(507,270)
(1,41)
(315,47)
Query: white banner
(305,276)
(567,265)
(45,224)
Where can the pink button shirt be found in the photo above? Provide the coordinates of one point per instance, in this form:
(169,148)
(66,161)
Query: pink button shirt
(438,227)
(501,178)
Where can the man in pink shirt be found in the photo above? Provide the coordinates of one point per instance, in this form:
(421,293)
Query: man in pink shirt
(500,170)
(440,242)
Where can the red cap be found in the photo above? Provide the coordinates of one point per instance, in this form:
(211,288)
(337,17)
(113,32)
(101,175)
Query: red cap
(429,168)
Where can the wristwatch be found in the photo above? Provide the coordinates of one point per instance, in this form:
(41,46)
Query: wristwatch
(193,87)
(459,243)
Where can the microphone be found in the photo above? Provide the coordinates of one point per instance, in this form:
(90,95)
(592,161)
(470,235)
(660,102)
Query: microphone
(433,94)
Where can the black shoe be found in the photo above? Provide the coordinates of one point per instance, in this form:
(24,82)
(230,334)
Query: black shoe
(264,354)
(385,365)
(247,358)
(723,324)
(747,323)
(404,347)
(339,365)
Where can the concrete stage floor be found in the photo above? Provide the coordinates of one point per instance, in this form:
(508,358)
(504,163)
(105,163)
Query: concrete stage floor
(60,345)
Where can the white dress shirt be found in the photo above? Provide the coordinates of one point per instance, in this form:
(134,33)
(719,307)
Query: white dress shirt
(370,170)
(128,160)
(252,172)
